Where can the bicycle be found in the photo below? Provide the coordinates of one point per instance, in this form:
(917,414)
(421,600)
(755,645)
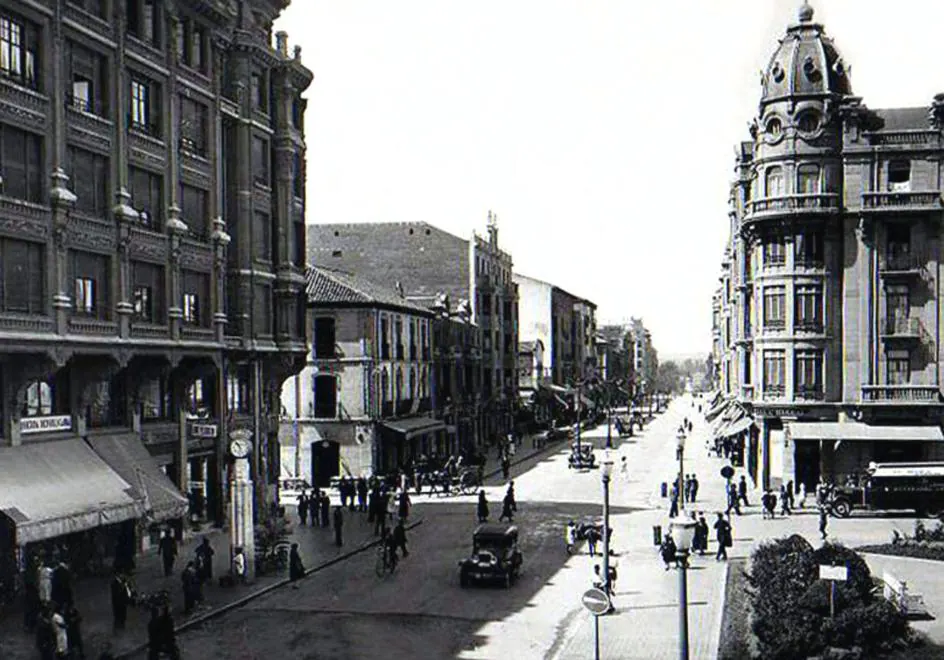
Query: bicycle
(386,562)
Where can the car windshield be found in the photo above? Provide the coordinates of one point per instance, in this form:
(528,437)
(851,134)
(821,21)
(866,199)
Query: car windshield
(493,544)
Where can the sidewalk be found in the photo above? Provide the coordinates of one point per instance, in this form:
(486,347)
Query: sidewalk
(93,594)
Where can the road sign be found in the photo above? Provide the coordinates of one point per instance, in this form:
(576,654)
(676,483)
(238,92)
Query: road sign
(727,472)
(596,601)
(838,573)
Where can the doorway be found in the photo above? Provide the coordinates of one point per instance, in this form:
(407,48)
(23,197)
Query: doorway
(807,462)
(325,462)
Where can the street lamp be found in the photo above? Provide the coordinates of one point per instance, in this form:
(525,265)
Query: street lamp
(606,470)
(683,532)
(680,452)
(609,418)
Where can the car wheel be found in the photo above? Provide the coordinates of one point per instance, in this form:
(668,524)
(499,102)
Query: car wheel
(842,508)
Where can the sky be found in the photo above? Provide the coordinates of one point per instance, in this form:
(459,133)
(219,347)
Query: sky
(601,132)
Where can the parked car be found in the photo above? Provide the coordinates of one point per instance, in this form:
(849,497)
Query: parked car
(581,456)
(890,487)
(290,489)
(495,555)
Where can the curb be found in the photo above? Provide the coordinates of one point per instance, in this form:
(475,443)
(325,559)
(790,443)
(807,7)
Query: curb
(715,644)
(262,591)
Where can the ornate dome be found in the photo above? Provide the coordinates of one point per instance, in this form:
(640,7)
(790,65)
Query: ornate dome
(805,63)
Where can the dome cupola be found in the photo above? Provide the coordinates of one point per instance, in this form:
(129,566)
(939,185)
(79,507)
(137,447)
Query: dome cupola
(806,64)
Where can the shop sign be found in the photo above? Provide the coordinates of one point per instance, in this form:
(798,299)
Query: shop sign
(47,424)
(203,430)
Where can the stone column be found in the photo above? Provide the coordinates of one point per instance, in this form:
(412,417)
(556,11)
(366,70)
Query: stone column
(220,240)
(126,217)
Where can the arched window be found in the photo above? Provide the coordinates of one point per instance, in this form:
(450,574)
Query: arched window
(774,182)
(808,179)
(38,399)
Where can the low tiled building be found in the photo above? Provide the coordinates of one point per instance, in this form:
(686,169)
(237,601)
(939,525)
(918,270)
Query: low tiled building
(362,405)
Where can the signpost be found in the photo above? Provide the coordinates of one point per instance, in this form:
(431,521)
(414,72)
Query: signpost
(834,574)
(598,603)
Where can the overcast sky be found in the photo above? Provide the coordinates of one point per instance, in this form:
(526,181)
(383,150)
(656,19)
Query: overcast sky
(601,132)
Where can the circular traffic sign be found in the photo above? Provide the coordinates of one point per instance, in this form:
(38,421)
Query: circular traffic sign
(727,472)
(596,601)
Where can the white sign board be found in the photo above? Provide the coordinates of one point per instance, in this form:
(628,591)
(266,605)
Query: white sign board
(198,430)
(47,424)
(838,573)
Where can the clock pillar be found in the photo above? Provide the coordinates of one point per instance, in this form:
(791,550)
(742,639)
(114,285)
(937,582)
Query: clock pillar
(241,501)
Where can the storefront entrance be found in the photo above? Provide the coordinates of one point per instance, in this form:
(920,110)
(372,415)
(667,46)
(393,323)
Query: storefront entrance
(807,462)
(325,462)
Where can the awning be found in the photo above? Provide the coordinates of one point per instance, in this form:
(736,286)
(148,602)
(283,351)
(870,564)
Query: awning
(718,409)
(128,456)
(737,426)
(49,489)
(858,431)
(733,413)
(414,426)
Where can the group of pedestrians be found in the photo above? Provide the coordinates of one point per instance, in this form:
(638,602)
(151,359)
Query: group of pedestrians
(723,537)
(688,492)
(316,505)
(509,505)
(50,610)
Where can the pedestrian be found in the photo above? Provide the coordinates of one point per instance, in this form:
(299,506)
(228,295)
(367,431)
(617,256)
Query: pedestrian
(162,638)
(674,505)
(687,489)
(167,549)
(190,582)
(694,488)
(784,501)
(204,553)
(296,569)
(505,465)
(31,592)
(624,468)
(45,633)
(338,525)
(507,504)
(325,509)
(61,588)
(481,509)
(44,571)
(733,501)
(510,494)
(742,491)
(403,508)
(361,494)
(802,492)
(570,537)
(823,520)
(239,565)
(74,632)
(723,536)
(701,531)
(120,598)
(303,508)
(61,632)
(669,551)
(342,491)
(790,495)
(593,537)
(771,504)
(399,538)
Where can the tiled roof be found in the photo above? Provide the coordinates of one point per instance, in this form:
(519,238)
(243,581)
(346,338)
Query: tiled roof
(901,119)
(327,287)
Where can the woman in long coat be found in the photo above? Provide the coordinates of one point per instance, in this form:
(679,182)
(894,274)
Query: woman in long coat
(482,508)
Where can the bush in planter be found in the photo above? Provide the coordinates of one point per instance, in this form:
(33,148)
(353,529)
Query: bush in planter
(781,572)
(869,626)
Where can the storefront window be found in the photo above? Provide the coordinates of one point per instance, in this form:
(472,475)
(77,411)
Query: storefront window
(39,399)
(155,399)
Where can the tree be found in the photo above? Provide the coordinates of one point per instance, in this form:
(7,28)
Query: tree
(670,378)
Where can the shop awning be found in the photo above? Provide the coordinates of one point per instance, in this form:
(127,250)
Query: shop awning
(737,426)
(127,455)
(858,431)
(718,409)
(49,489)
(414,426)
(732,414)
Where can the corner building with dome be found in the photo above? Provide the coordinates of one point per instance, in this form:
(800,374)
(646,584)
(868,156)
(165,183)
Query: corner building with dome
(827,319)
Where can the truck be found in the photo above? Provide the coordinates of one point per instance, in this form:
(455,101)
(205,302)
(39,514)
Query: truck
(891,487)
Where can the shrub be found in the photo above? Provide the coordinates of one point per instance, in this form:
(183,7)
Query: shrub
(859,580)
(869,626)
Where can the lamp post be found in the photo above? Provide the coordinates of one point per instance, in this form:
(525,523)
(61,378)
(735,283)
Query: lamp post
(683,531)
(680,451)
(609,418)
(606,470)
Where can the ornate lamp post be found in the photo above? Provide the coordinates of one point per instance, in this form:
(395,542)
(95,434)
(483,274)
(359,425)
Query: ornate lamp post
(683,532)
(606,471)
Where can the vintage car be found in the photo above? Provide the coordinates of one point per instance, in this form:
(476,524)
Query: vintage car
(581,456)
(495,555)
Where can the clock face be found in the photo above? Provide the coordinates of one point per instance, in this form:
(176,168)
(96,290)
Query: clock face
(240,448)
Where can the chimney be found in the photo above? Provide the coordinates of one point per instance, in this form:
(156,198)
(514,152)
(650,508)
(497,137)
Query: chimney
(281,43)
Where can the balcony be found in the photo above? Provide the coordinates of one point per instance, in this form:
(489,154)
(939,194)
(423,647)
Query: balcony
(902,263)
(774,325)
(774,392)
(789,205)
(902,201)
(902,329)
(921,136)
(900,394)
(809,394)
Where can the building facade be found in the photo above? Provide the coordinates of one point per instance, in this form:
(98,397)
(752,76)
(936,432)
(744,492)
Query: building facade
(362,404)
(645,360)
(147,148)
(428,263)
(564,323)
(828,309)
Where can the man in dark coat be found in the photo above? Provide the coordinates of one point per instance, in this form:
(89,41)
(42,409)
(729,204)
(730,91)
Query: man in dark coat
(338,525)
(325,509)
(62,585)
(303,508)
(191,586)
(296,569)
(482,507)
(361,494)
(167,549)
(742,491)
(723,534)
(399,538)
(74,632)
(120,599)
(205,554)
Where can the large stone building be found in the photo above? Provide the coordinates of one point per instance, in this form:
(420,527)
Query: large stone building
(428,263)
(828,316)
(152,250)
(362,404)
